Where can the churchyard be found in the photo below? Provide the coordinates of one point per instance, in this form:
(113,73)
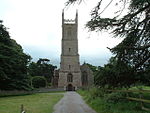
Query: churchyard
(121,85)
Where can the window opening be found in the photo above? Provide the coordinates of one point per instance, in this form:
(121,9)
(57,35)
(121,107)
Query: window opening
(70,78)
(69,49)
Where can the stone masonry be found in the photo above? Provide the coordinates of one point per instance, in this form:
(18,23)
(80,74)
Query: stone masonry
(69,73)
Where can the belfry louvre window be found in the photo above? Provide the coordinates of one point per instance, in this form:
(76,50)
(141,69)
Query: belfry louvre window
(69,77)
(69,32)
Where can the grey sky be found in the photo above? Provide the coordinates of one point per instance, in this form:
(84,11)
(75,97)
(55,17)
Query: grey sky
(36,25)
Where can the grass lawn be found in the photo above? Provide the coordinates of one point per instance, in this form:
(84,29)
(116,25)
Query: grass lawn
(35,103)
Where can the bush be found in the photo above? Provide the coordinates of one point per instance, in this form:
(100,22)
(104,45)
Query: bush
(115,97)
(92,93)
(97,92)
(38,81)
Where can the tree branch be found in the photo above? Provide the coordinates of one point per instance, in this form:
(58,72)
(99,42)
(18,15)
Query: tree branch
(129,47)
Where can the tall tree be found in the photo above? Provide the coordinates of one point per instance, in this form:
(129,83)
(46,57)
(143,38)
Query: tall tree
(113,75)
(13,63)
(42,68)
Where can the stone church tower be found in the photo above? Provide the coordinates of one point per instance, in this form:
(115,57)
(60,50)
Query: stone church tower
(69,73)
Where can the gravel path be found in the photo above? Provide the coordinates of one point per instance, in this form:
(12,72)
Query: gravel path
(72,102)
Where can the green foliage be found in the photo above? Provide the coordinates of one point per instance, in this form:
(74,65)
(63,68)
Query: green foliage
(42,68)
(96,92)
(133,27)
(140,87)
(93,68)
(115,97)
(38,81)
(110,102)
(115,74)
(13,63)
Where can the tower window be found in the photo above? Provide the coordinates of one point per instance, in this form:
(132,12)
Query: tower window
(69,33)
(69,49)
(69,77)
(69,66)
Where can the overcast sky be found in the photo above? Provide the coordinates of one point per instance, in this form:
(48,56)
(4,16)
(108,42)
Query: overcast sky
(36,26)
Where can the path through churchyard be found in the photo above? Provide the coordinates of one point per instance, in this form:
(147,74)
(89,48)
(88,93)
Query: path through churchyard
(72,102)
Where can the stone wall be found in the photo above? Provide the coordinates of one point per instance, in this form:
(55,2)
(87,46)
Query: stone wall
(89,72)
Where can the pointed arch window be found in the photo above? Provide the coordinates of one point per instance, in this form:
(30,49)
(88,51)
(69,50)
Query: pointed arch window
(69,31)
(69,77)
(84,78)
(69,66)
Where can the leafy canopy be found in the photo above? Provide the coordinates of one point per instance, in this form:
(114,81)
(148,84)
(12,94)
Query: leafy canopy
(42,68)
(13,63)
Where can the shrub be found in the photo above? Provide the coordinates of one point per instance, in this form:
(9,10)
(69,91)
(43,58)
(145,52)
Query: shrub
(38,81)
(115,97)
(97,92)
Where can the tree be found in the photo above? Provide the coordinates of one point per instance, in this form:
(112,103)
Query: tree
(133,27)
(42,68)
(38,81)
(113,75)
(93,68)
(13,63)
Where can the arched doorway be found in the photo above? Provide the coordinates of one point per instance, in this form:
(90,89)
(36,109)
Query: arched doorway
(70,87)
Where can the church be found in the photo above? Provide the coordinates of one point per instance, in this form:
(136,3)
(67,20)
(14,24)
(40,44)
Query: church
(71,75)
